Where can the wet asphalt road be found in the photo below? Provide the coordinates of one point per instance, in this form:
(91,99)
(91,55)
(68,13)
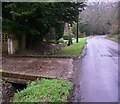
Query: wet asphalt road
(99,78)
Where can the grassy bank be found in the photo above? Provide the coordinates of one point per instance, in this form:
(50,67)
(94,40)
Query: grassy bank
(45,90)
(75,48)
(115,38)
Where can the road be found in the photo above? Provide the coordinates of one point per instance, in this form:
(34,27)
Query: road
(99,78)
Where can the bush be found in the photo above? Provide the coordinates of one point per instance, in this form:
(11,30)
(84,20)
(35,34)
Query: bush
(55,48)
(57,41)
(61,40)
(50,37)
(45,90)
(118,31)
(53,41)
(65,37)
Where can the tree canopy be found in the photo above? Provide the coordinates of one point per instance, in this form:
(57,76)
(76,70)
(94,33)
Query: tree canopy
(101,17)
(39,19)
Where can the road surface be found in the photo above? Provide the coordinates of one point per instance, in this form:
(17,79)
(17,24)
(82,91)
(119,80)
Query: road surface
(99,78)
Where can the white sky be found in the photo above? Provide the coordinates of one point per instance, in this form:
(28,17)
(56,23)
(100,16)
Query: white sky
(102,0)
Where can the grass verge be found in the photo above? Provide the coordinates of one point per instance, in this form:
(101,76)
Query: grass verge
(45,90)
(115,38)
(75,48)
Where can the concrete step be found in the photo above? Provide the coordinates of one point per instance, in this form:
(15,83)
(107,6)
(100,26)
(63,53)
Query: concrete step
(20,78)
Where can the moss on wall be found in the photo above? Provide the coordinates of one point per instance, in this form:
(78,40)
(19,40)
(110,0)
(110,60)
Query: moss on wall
(4,48)
(15,45)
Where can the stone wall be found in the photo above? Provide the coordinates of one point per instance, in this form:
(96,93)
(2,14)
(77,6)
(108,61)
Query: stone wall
(15,45)
(4,39)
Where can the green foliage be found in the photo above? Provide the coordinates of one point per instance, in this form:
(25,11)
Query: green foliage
(1,81)
(75,48)
(45,90)
(40,16)
(50,37)
(61,40)
(37,19)
(117,31)
(65,37)
(114,37)
(53,41)
(82,26)
(59,30)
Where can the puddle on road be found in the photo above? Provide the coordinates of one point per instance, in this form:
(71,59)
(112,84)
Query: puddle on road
(114,52)
(109,55)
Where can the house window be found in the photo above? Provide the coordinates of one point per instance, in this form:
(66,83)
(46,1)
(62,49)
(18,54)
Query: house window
(4,37)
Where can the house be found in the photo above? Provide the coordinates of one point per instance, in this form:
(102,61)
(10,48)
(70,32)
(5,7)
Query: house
(9,43)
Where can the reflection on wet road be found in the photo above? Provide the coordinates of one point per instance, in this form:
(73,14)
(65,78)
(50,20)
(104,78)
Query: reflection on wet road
(99,78)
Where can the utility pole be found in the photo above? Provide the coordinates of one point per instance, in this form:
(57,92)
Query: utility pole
(77,33)
(77,26)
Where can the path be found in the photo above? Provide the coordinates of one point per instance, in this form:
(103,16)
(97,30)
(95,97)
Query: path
(99,77)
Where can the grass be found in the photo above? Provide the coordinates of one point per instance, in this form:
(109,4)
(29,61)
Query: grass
(45,90)
(75,48)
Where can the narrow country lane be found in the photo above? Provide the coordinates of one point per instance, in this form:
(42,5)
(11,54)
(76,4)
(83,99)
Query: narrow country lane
(99,78)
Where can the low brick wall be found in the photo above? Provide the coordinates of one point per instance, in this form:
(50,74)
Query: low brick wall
(19,78)
(47,56)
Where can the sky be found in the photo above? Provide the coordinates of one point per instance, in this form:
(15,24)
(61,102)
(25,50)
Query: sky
(65,0)
(103,0)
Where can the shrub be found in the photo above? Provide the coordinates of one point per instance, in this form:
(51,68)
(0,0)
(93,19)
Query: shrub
(45,90)
(61,40)
(55,48)
(65,37)
(118,31)
(53,41)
